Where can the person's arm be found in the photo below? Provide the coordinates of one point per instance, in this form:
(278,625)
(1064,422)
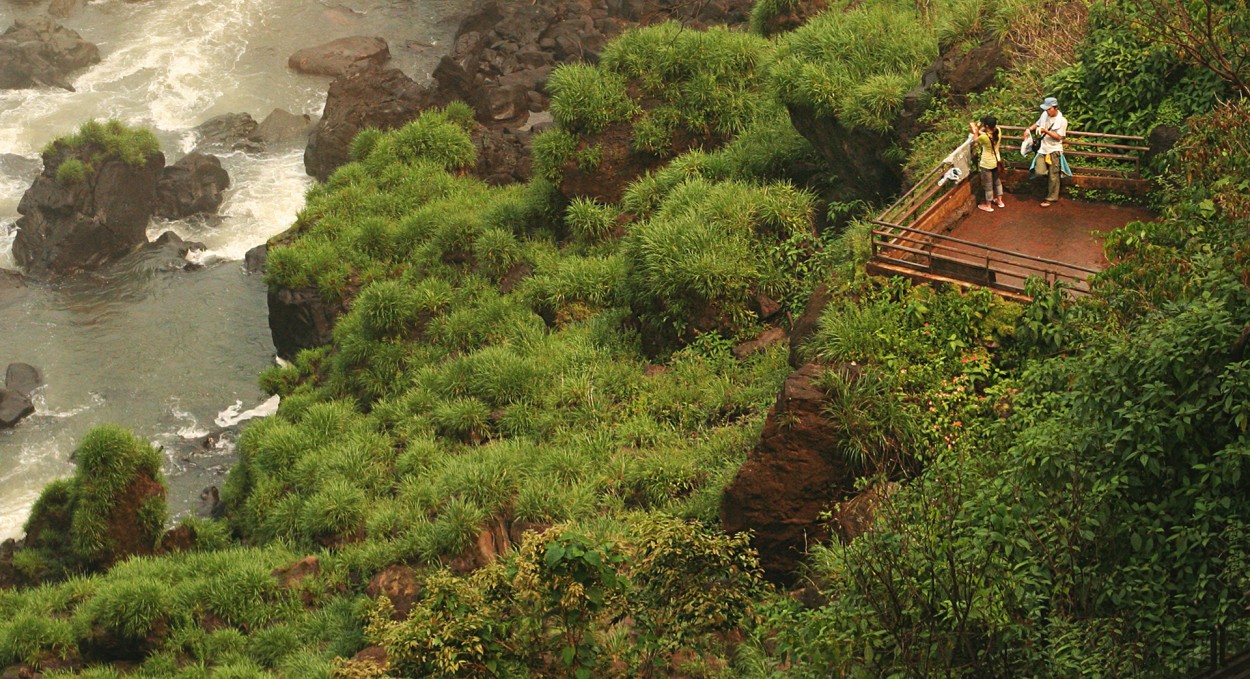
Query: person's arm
(1035,126)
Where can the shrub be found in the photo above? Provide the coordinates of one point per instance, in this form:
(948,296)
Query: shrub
(71,171)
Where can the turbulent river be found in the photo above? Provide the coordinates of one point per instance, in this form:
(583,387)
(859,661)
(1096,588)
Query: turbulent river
(171,354)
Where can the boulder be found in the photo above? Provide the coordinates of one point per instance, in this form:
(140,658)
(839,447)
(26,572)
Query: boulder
(855,516)
(283,127)
(790,479)
(301,319)
(20,167)
(293,575)
(169,252)
(366,96)
(22,378)
(255,259)
(335,57)
(398,583)
(78,224)
(14,407)
(194,185)
(966,71)
(229,132)
(38,51)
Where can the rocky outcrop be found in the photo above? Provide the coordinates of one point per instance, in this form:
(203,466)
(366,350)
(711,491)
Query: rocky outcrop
(14,407)
(301,319)
(792,477)
(195,185)
(397,582)
(254,260)
(859,157)
(963,71)
(22,378)
(78,221)
(499,65)
(40,52)
(227,132)
(367,96)
(282,127)
(335,57)
(806,324)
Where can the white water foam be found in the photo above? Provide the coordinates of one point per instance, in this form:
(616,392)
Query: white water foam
(232,415)
(266,192)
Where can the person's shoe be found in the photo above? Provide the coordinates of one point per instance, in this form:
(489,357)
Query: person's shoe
(1045,203)
(1000,203)
(985,207)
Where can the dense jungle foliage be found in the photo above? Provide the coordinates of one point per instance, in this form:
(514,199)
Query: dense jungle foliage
(534,400)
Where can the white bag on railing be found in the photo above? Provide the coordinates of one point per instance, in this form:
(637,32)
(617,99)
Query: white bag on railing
(960,162)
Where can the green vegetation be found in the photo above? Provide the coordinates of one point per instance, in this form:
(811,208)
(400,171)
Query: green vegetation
(109,139)
(71,171)
(73,524)
(854,65)
(534,402)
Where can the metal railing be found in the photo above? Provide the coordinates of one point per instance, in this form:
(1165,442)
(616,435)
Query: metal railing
(907,236)
(1115,149)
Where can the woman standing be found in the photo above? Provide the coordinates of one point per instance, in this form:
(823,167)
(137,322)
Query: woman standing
(985,140)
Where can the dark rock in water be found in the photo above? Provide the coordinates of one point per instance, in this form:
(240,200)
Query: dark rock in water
(281,127)
(14,407)
(174,243)
(229,131)
(70,224)
(21,167)
(301,319)
(210,505)
(196,184)
(366,96)
(335,57)
(254,260)
(39,51)
(171,251)
(22,378)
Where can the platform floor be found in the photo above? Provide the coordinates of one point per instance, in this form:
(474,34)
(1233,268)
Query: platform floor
(1069,231)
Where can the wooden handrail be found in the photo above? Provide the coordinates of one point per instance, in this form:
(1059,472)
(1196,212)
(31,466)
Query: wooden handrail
(981,245)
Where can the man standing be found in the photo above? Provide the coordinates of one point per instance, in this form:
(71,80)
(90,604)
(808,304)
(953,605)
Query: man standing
(1054,127)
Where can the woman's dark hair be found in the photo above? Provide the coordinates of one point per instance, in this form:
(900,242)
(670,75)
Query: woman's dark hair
(992,123)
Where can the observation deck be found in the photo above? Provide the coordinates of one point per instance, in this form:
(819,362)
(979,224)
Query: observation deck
(935,233)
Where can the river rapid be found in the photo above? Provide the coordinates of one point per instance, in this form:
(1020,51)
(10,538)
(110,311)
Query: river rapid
(171,354)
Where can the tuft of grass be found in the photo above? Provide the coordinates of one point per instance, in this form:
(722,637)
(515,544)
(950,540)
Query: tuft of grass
(110,139)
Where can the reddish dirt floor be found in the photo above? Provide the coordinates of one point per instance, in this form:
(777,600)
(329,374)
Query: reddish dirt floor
(1069,231)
